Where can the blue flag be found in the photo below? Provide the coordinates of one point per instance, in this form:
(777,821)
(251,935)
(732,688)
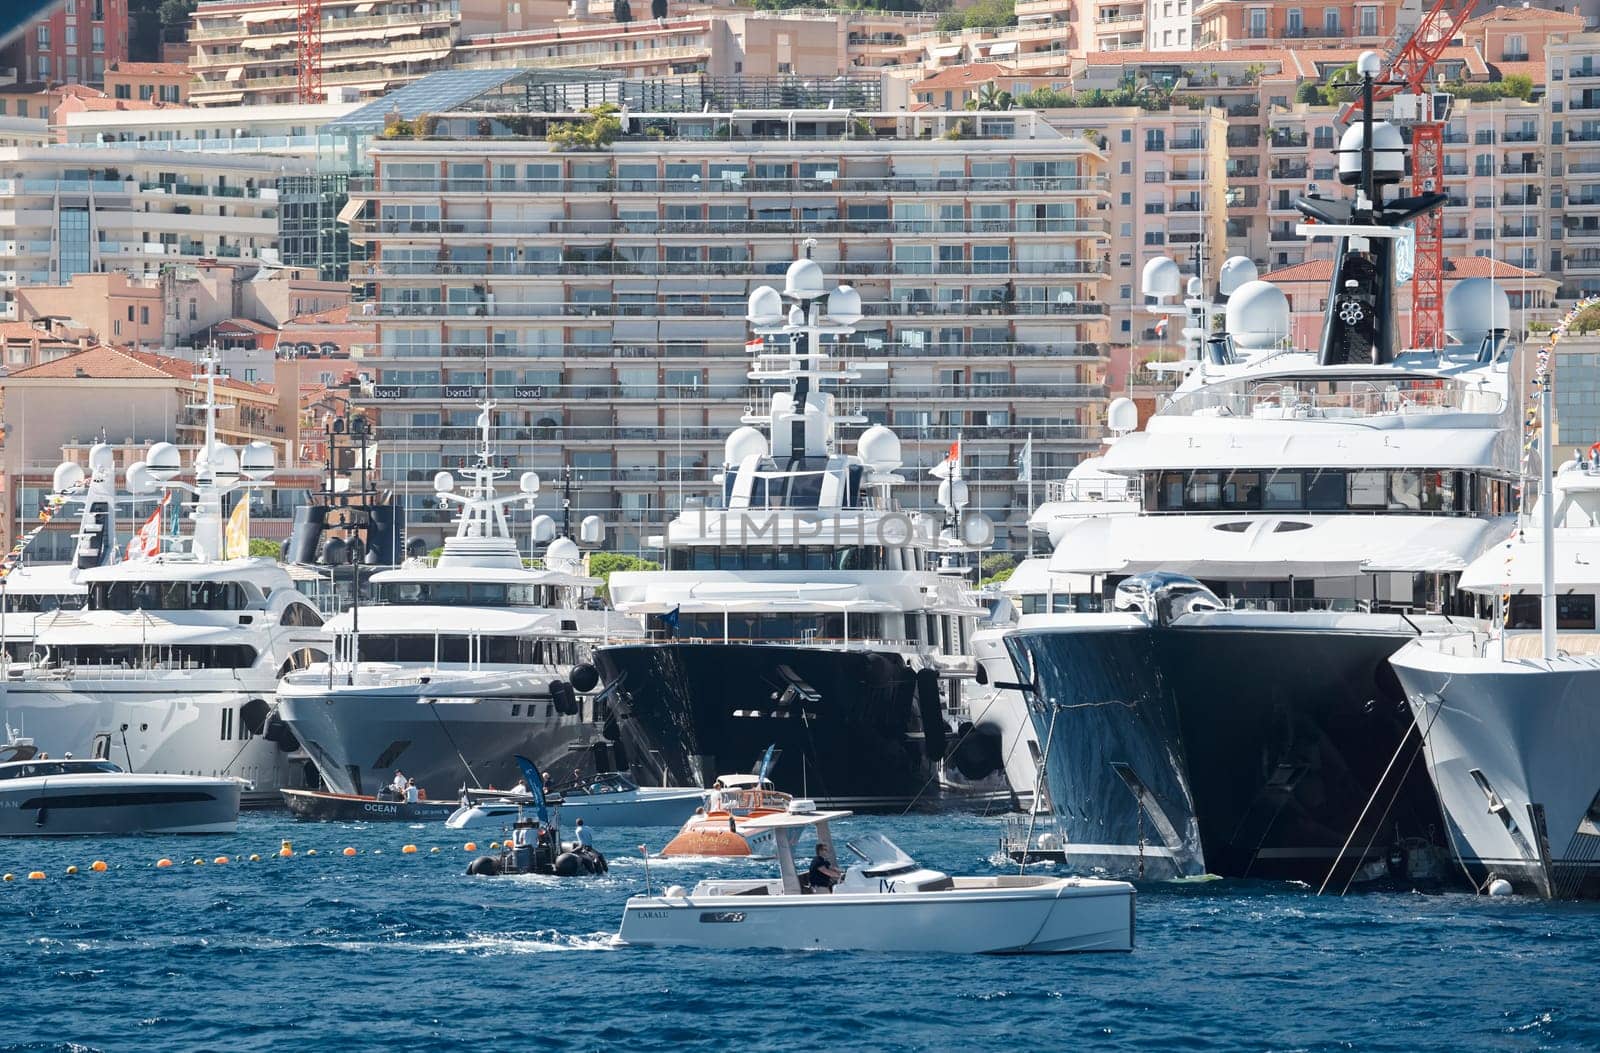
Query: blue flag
(535,782)
(670,620)
(766,762)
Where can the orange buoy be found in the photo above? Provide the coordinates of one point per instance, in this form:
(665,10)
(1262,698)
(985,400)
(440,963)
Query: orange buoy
(98,866)
(35,875)
(409,849)
(220,860)
(470,846)
(349,851)
(287,850)
(162,863)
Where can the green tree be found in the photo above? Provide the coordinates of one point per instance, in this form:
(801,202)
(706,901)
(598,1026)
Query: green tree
(1308,92)
(998,567)
(260,546)
(604,564)
(597,131)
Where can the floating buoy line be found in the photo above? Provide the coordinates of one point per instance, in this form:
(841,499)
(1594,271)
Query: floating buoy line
(286,850)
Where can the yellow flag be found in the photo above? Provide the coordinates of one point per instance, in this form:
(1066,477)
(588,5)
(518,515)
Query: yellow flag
(236,542)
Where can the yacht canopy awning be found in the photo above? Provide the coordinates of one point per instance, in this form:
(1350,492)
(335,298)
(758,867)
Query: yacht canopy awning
(1270,547)
(1517,565)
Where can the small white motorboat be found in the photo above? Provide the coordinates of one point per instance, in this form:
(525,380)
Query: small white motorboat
(41,797)
(885,901)
(605,801)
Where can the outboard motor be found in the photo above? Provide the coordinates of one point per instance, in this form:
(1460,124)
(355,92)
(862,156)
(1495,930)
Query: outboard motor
(1163,597)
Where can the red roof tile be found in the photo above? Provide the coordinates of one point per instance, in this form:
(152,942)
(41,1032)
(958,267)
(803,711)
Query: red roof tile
(964,76)
(1526,14)
(103,362)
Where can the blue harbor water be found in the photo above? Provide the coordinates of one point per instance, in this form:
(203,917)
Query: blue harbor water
(405,952)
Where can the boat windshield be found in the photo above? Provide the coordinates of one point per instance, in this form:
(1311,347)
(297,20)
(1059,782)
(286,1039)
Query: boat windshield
(35,769)
(607,782)
(877,853)
(1334,398)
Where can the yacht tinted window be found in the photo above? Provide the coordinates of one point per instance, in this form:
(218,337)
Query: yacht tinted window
(1325,491)
(41,602)
(176,656)
(167,596)
(1283,490)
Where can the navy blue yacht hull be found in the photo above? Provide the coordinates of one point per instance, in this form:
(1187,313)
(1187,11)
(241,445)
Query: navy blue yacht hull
(847,723)
(1258,747)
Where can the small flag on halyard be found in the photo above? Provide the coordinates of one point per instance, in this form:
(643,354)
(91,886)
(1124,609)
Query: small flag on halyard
(1161,327)
(146,541)
(950,467)
(1025,462)
(755,345)
(236,541)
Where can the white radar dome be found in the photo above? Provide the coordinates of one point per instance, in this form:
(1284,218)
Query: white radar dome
(592,530)
(562,554)
(953,493)
(1161,278)
(544,528)
(844,305)
(102,459)
(1258,315)
(1473,309)
(528,482)
(743,442)
(140,481)
(804,280)
(766,307)
(1122,416)
(880,448)
(164,461)
(977,530)
(224,461)
(1388,154)
(69,476)
(257,460)
(1236,271)
(443,482)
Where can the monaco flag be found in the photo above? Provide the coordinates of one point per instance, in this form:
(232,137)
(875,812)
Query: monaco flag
(146,542)
(950,467)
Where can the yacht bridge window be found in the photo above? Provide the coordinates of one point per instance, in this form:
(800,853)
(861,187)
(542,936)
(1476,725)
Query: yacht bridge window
(168,596)
(1421,490)
(797,485)
(808,557)
(36,769)
(1573,611)
(461,649)
(1060,603)
(41,602)
(800,626)
(463,594)
(155,656)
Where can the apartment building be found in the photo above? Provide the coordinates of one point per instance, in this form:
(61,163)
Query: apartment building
(74,44)
(70,210)
(1235,24)
(289,128)
(1573,105)
(166,82)
(600,296)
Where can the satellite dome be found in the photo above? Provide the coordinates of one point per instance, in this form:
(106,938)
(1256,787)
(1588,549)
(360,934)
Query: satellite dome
(69,476)
(164,461)
(1473,309)
(257,460)
(443,482)
(224,461)
(766,307)
(562,554)
(953,493)
(1388,154)
(1258,315)
(844,305)
(1161,278)
(1236,271)
(743,442)
(140,481)
(880,448)
(592,530)
(102,459)
(544,528)
(804,280)
(1122,416)
(528,483)
(977,530)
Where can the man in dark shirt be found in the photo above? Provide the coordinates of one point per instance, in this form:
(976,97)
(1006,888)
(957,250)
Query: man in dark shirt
(823,875)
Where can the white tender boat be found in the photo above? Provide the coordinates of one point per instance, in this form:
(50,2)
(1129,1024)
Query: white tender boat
(886,901)
(62,798)
(607,800)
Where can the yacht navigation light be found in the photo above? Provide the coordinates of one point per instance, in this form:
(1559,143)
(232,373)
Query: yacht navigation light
(1236,272)
(1258,316)
(1369,64)
(1161,279)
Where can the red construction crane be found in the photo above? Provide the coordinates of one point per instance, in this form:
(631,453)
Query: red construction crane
(1420,37)
(308,34)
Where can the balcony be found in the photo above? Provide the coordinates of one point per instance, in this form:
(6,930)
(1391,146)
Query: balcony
(670,270)
(726,184)
(1529,167)
(1187,144)
(1530,197)
(1521,135)
(1288,138)
(1583,135)
(1289,171)
(791,227)
(1187,177)
(993,305)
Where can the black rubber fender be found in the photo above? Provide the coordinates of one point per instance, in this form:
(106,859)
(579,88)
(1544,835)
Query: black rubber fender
(565,699)
(584,678)
(933,733)
(484,866)
(277,731)
(568,865)
(253,715)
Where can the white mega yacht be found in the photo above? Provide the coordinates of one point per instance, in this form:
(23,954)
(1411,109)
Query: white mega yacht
(805,609)
(172,663)
(1510,718)
(460,665)
(1304,511)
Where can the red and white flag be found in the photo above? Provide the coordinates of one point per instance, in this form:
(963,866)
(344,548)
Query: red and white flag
(755,345)
(950,467)
(146,542)
(1161,327)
